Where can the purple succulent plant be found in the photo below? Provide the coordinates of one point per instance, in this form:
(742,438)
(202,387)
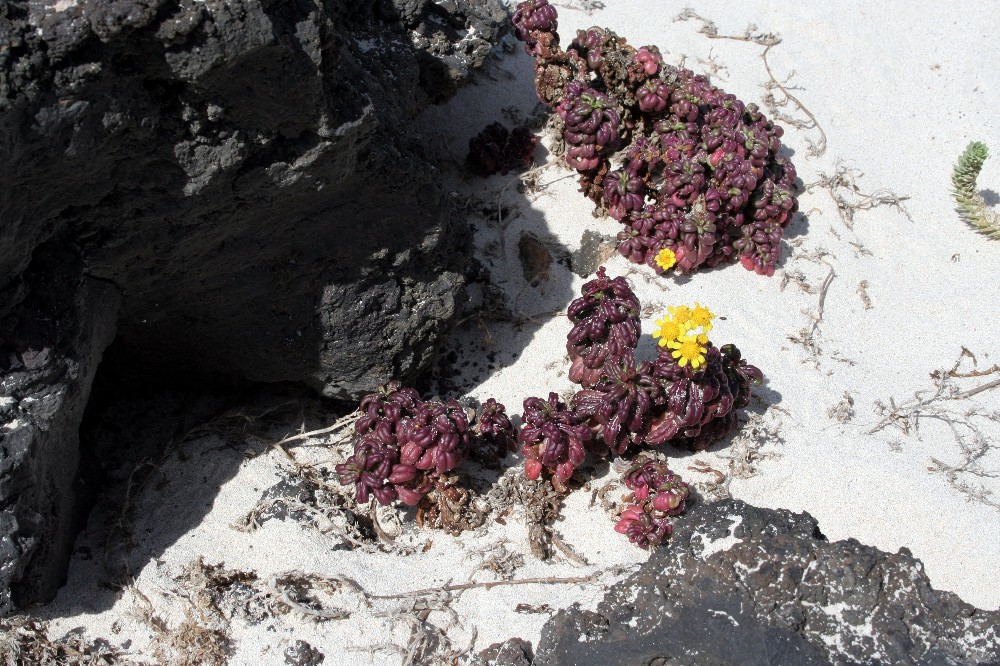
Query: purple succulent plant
(623,193)
(605,325)
(741,375)
(648,60)
(534,16)
(592,123)
(588,45)
(643,529)
(532,20)
(701,403)
(382,411)
(554,438)
(436,437)
(621,406)
(658,494)
(495,433)
(404,445)
(653,96)
(650,480)
(369,469)
(495,150)
(718,188)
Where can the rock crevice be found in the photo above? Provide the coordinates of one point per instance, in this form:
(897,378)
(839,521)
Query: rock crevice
(243,178)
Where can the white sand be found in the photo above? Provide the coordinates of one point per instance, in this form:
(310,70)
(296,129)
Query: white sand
(899,91)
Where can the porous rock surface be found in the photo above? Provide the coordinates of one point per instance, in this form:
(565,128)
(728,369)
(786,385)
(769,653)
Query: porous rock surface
(742,585)
(232,185)
(61,327)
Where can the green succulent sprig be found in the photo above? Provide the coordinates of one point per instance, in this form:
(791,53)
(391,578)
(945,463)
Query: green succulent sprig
(971,205)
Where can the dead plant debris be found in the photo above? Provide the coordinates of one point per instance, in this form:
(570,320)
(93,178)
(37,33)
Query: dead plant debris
(778,96)
(967,423)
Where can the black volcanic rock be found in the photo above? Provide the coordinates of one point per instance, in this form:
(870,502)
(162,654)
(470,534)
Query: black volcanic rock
(240,177)
(741,585)
(49,353)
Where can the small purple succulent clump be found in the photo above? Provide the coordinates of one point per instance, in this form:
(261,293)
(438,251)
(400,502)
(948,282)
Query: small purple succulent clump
(369,470)
(382,410)
(495,432)
(535,21)
(624,404)
(651,480)
(553,438)
(702,403)
(436,437)
(703,175)
(403,445)
(605,325)
(648,59)
(643,529)
(495,150)
(621,406)
(657,494)
(592,123)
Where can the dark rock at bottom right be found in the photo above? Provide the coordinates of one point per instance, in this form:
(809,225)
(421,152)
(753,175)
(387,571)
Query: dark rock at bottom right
(737,584)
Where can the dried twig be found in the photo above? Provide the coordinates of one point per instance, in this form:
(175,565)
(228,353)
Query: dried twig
(863,294)
(966,426)
(768,40)
(588,7)
(339,425)
(283,595)
(843,188)
(568,550)
(593,578)
(322,521)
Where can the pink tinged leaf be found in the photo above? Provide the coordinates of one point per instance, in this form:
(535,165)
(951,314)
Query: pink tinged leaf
(410,454)
(426,460)
(447,461)
(667,501)
(408,496)
(564,471)
(532,468)
(402,473)
(662,430)
(622,526)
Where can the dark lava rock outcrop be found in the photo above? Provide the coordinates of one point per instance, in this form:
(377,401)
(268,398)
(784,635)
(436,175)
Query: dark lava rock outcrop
(741,585)
(232,185)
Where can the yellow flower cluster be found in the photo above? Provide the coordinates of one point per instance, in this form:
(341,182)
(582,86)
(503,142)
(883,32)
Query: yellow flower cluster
(685,331)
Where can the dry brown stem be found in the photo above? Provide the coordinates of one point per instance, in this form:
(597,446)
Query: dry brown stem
(966,426)
(843,188)
(774,104)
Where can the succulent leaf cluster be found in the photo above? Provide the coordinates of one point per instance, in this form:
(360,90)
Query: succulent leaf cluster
(620,407)
(687,396)
(971,205)
(554,438)
(605,325)
(681,164)
(403,445)
(657,495)
(497,150)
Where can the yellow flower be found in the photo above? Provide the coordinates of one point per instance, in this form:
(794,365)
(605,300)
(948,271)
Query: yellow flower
(666,259)
(702,316)
(688,349)
(681,313)
(667,329)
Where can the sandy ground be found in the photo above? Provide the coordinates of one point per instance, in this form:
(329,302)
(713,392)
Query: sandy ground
(879,286)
